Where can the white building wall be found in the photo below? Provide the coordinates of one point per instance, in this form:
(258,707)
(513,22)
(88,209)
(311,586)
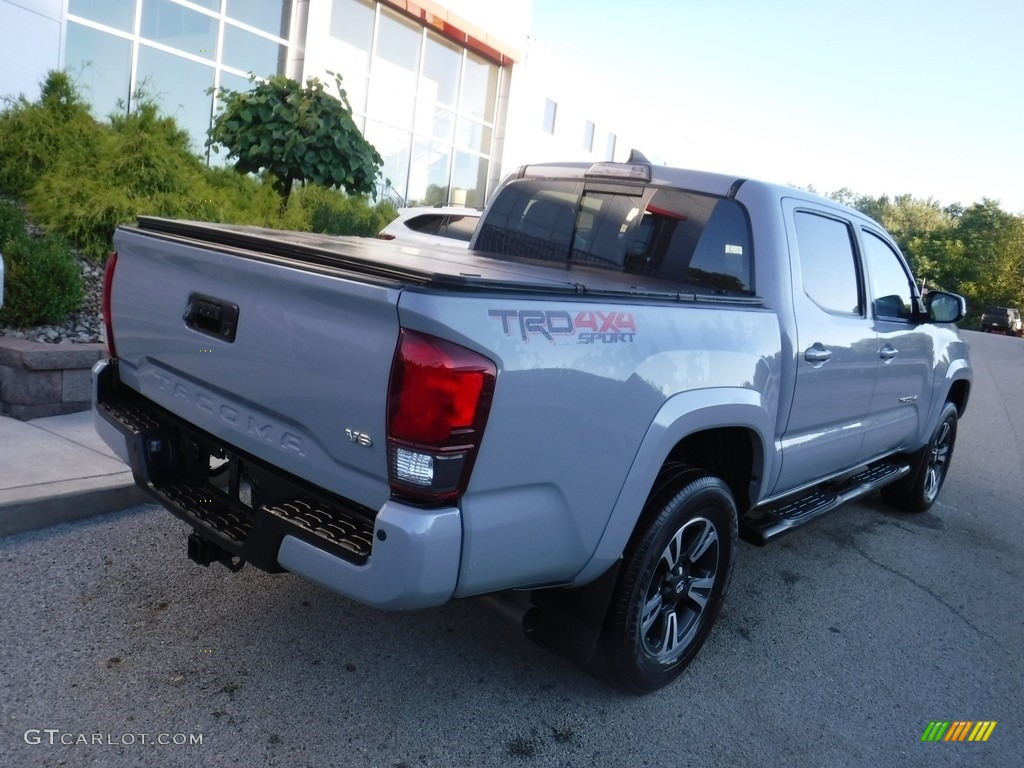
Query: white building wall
(30,44)
(544,74)
(504,20)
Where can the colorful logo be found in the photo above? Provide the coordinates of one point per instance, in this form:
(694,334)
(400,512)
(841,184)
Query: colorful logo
(958,730)
(586,327)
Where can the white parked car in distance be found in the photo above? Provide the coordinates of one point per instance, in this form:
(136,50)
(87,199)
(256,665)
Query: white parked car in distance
(444,225)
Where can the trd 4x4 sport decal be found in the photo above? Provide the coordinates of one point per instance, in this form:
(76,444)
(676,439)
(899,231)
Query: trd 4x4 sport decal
(586,326)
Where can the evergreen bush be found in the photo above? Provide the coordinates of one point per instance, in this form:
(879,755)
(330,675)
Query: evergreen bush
(141,166)
(12,222)
(334,213)
(35,135)
(81,179)
(43,281)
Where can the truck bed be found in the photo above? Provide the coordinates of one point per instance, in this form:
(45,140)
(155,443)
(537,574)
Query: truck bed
(453,268)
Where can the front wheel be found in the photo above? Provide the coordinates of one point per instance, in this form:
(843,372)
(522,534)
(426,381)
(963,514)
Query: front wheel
(918,491)
(674,577)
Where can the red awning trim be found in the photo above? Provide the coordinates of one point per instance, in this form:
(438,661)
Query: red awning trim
(456,29)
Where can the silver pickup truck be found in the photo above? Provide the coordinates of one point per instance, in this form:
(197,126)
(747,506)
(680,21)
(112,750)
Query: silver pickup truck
(631,367)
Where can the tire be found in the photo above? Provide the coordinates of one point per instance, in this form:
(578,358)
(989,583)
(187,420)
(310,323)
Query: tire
(918,491)
(674,577)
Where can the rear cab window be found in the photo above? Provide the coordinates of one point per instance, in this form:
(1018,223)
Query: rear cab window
(685,241)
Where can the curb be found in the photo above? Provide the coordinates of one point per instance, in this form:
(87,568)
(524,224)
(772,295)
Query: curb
(64,501)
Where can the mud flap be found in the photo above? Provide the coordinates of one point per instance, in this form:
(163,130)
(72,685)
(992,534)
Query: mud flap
(570,622)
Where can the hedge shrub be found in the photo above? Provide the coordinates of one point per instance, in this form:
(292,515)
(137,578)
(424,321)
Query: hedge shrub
(43,281)
(12,222)
(81,179)
(35,135)
(334,213)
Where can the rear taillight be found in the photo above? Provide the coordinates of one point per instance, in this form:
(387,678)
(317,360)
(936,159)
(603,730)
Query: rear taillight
(108,282)
(438,402)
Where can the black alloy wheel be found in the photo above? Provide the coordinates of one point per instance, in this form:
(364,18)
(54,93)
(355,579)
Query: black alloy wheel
(918,491)
(674,578)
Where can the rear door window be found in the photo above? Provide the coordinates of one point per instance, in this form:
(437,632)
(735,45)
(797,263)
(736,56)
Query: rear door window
(828,263)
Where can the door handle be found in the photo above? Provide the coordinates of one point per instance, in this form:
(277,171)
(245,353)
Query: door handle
(817,354)
(888,352)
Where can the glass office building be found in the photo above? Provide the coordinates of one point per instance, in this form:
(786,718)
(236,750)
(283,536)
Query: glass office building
(426,102)
(425,87)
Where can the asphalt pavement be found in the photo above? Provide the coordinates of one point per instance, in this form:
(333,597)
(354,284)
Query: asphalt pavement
(838,646)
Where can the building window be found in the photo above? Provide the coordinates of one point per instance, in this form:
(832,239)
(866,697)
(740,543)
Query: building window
(180,52)
(550,110)
(247,52)
(351,37)
(442,65)
(609,152)
(118,14)
(588,136)
(179,87)
(268,15)
(103,65)
(430,104)
(181,28)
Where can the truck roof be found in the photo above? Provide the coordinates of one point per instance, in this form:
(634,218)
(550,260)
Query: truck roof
(642,171)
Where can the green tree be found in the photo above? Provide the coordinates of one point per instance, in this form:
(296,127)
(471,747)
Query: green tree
(917,225)
(977,251)
(296,133)
(993,262)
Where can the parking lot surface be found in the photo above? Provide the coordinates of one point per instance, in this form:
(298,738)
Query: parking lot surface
(838,646)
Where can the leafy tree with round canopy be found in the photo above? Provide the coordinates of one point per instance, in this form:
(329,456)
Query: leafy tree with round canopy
(295,133)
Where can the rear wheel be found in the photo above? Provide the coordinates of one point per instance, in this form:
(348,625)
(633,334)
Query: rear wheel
(674,578)
(918,491)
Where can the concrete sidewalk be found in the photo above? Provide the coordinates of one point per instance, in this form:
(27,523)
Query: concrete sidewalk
(57,469)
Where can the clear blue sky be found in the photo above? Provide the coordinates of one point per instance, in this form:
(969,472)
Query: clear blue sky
(881,96)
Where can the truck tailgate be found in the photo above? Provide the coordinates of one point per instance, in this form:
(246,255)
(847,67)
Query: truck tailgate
(282,362)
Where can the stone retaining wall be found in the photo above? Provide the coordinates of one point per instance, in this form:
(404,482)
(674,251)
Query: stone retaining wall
(39,380)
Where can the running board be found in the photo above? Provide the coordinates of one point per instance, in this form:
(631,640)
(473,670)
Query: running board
(764,524)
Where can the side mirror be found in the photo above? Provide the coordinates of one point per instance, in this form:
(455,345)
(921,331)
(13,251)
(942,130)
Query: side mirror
(945,307)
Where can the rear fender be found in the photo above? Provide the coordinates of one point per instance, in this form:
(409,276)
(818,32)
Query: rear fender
(682,415)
